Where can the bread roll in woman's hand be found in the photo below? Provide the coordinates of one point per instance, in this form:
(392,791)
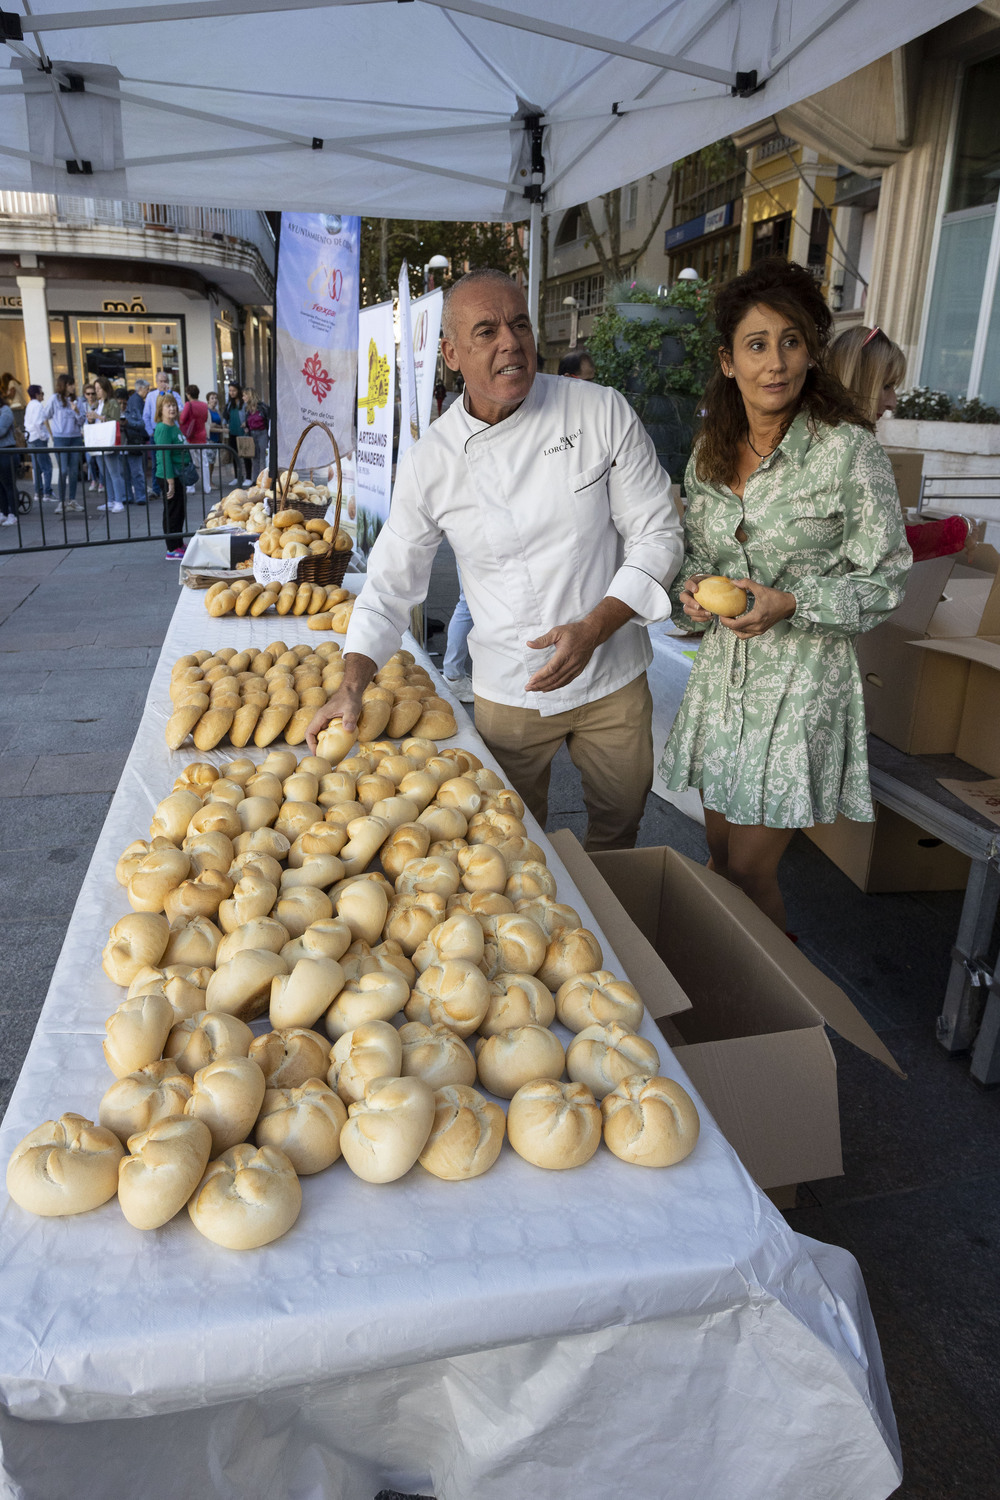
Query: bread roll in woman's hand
(720,596)
(247,1198)
(651,1122)
(65,1166)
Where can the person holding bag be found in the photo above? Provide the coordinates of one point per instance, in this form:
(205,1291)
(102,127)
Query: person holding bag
(235,421)
(171,461)
(790,498)
(65,421)
(111,463)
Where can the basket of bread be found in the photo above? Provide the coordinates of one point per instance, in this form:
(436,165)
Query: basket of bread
(298,545)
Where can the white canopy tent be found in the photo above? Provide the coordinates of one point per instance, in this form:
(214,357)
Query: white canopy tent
(409,108)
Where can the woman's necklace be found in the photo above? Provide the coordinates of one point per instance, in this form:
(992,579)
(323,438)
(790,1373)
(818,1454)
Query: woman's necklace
(757,450)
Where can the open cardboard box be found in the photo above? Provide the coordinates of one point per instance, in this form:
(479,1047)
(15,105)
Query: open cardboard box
(891,854)
(978,654)
(752,1038)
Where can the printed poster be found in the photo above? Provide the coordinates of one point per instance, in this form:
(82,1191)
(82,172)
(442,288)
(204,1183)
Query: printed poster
(316,317)
(375,404)
(409,424)
(425,318)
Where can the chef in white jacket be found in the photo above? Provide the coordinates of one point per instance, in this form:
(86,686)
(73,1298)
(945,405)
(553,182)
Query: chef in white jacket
(559,514)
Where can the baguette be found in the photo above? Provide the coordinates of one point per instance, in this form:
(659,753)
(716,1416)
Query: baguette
(286,598)
(303,597)
(212,727)
(318,600)
(181,723)
(320,622)
(271,722)
(295,729)
(213,593)
(244,723)
(247,596)
(264,600)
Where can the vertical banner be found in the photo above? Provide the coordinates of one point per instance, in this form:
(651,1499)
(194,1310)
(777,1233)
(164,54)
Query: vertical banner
(409,423)
(316,317)
(425,316)
(376,400)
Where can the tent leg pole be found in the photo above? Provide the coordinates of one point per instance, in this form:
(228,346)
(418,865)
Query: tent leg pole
(534,261)
(272,463)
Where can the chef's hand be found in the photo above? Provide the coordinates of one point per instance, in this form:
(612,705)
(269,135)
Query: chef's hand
(575,644)
(769,606)
(691,608)
(346,701)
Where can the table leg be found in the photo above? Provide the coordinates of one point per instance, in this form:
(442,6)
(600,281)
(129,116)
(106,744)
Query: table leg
(963,996)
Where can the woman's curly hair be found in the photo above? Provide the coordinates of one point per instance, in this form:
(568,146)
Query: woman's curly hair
(789,289)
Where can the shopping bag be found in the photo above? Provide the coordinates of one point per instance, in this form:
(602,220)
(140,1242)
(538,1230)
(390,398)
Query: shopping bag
(100,434)
(245,447)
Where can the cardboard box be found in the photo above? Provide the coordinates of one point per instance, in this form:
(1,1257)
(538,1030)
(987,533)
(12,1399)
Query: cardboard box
(912,700)
(978,655)
(752,1039)
(891,854)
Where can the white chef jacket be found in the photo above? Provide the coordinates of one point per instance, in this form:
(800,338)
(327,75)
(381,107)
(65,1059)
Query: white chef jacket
(547,512)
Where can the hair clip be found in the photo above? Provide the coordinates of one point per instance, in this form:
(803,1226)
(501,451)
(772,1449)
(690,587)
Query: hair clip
(872,335)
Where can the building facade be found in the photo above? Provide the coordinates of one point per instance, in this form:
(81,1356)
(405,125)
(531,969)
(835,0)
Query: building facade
(95,286)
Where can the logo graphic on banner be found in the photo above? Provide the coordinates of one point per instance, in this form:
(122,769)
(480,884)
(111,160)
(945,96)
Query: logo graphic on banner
(320,381)
(426,315)
(316,333)
(375,399)
(378,382)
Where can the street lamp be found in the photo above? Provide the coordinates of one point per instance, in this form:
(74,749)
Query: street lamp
(574,319)
(688,274)
(436,263)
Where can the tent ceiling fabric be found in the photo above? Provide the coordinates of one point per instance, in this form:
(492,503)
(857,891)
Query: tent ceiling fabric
(419,106)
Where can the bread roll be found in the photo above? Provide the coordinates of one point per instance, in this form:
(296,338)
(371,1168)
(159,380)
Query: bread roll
(303,1122)
(720,596)
(459,936)
(223,790)
(209,851)
(554,1125)
(517,850)
(601,1056)
(436,723)
(155,876)
(363,906)
(242,987)
(183,719)
(481,904)
(181,986)
(255,812)
(372,1050)
(136,1032)
(295,818)
(514,945)
(263,841)
(508,1059)
(322,838)
(387,1130)
(253,896)
(247,1198)
(374,996)
(206,1038)
(570,953)
(396,811)
(454,994)
(599,999)
(299,907)
(435,875)
(267,785)
(241,769)
(265,933)
(528,880)
(172,816)
(327,938)
(489,783)
(459,792)
(289,1056)
(216,817)
(466,1136)
(335,741)
(407,842)
(552,917)
(227,1095)
(320,871)
(444,822)
(435,1054)
(300,997)
(411,919)
(154,1092)
(651,1122)
(165,1165)
(65,1166)
(200,897)
(390,957)
(517,1000)
(195,942)
(495,827)
(483,868)
(136,940)
(419,786)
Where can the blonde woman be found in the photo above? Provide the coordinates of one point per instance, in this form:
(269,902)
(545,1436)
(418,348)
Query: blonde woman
(870,366)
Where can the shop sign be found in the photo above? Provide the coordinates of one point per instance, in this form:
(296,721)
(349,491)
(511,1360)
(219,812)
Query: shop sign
(695,229)
(10,301)
(122,305)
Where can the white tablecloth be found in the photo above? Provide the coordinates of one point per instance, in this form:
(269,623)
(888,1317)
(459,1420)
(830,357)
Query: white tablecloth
(609,1331)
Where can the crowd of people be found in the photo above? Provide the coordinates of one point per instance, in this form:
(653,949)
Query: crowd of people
(131,465)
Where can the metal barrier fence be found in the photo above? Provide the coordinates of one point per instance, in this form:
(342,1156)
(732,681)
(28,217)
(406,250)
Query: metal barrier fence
(106,496)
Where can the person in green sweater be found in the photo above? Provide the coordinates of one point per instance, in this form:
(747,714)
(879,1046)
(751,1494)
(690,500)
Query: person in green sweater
(171,458)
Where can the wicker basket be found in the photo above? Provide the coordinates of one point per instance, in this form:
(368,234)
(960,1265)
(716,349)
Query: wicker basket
(329,570)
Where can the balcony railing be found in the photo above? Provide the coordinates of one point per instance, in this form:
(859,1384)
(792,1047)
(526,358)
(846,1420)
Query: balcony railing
(219,224)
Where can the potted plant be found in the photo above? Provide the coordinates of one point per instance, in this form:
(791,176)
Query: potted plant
(659,358)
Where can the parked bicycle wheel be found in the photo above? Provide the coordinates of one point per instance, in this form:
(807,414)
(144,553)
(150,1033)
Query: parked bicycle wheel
(23,501)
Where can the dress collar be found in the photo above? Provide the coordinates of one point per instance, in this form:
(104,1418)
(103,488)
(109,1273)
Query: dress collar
(796,442)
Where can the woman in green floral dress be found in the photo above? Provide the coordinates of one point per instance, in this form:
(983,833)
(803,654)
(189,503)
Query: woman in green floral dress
(790,495)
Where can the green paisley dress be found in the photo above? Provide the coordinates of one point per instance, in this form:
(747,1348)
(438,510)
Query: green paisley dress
(772,730)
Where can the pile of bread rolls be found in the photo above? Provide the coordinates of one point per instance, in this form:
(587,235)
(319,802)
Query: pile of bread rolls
(249,508)
(389,916)
(289,535)
(260,695)
(327,605)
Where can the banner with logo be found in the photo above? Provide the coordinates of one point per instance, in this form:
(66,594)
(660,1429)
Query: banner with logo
(409,423)
(316,331)
(375,402)
(425,317)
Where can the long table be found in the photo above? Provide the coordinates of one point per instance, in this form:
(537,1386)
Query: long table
(608,1331)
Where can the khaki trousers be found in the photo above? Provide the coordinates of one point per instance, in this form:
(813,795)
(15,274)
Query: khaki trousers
(610,741)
